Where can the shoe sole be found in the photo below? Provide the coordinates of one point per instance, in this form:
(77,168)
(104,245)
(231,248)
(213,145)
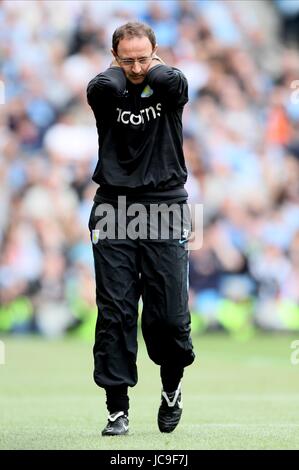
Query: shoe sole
(115,434)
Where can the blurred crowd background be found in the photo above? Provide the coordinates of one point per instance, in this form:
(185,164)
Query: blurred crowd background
(241,143)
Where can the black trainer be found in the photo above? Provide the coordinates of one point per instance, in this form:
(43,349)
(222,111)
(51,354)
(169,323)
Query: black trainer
(170,410)
(118,424)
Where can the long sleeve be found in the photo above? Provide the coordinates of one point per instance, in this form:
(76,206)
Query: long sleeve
(106,85)
(171,83)
(139,130)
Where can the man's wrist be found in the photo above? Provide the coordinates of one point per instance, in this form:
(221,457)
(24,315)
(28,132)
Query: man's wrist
(114,63)
(156,57)
(156,60)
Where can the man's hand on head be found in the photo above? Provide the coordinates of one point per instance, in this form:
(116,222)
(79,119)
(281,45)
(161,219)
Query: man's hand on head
(114,63)
(155,61)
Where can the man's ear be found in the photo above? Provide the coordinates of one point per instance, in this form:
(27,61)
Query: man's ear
(155,49)
(113,53)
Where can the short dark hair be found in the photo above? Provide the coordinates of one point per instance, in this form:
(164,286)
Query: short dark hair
(131,30)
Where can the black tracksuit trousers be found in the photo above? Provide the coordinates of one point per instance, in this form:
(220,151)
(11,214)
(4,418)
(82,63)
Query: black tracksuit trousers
(125,270)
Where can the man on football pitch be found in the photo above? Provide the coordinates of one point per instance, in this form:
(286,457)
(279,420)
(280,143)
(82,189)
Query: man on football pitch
(138,103)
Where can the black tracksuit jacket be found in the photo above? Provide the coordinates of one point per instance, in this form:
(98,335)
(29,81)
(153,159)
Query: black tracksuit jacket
(140,132)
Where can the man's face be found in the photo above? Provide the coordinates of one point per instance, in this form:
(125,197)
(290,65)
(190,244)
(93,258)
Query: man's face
(134,55)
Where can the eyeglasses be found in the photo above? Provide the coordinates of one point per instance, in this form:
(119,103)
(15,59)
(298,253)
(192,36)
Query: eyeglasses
(130,62)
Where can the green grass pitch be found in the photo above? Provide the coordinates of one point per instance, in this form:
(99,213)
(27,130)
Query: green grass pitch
(237,395)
